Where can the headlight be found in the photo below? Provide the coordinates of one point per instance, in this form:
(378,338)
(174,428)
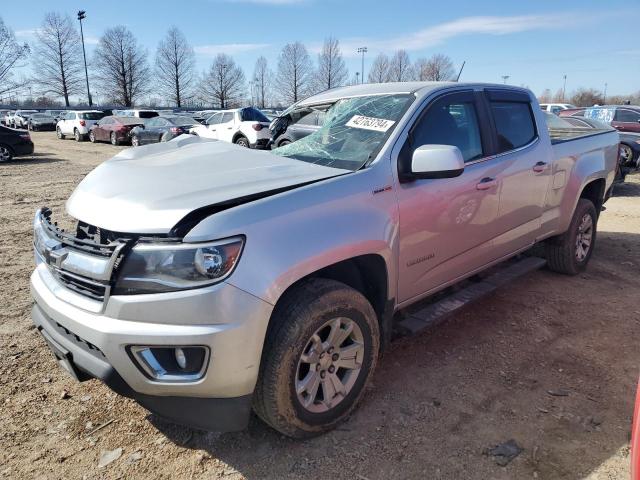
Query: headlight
(158,267)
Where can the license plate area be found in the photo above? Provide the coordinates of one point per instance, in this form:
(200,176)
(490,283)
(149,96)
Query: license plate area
(64,358)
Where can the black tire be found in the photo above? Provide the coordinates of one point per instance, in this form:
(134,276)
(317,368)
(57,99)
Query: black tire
(296,319)
(114,139)
(78,136)
(242,142)
(6,153)
(283,143)
(92,137)
(562,252)
(59,133)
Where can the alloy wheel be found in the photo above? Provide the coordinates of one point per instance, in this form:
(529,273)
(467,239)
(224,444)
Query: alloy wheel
(330,365)
(626,154)
(5,154)
(584,237)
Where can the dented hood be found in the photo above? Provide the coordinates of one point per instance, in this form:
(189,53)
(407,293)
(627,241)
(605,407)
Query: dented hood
(150,189)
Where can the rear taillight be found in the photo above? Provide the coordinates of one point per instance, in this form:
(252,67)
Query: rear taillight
(257,127)
(25,136)
(176,130)
(83,123)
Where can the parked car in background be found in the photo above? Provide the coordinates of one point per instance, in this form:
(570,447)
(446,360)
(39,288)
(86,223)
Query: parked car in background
(162,129)
(7,118)
(291,127)
(137,113)
(629,141)
(3,116)
(113,129)
(625,118)
(56,114)
(247,127)
(210,279)
(41,121)
(556,107)
(77,124)
(20,118)
(14,143)
(572,112)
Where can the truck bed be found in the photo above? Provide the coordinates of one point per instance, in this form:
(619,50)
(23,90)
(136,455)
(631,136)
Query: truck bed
(559,135)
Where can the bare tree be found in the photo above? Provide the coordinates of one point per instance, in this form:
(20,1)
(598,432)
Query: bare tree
(545,96)
(262,80)
(57,57)
(379,70)
(11,53)
(438,68)
(121,66)
(175,63)
(225,82)
(332,71)
(586,97)
(559,96)
(400,69)
(294,72)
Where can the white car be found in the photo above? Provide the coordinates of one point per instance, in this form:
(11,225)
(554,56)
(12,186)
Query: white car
(19,119)
(555,107)
(247,127)
(77,123)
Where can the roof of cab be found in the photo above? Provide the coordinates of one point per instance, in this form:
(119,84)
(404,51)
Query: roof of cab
(420,88)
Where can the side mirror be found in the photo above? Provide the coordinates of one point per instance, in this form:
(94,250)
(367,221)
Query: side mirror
(437,161)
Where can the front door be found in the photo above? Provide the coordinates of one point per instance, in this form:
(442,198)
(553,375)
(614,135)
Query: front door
(226,128)
(447,225)
(626,120)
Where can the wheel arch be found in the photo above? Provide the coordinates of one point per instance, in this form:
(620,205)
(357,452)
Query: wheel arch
(595,192)
(237,135)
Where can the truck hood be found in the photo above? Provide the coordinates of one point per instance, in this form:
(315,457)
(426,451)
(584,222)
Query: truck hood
(150,189)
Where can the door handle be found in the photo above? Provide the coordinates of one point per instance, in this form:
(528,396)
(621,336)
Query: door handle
(229,128)
(540,167)
(486,183)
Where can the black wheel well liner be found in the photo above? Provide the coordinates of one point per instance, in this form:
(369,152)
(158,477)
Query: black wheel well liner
(595,191)
(368,275)
(237,135)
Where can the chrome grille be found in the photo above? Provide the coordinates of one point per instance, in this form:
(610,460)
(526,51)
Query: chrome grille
(83,285)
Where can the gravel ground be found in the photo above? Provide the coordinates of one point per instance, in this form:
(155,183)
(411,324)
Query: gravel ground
(550,362)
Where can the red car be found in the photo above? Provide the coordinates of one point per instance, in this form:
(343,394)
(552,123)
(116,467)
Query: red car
(625,118)
(114,129)
(635,440)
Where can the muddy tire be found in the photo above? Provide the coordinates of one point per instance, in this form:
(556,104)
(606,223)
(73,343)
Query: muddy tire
(320,352)
(570,252)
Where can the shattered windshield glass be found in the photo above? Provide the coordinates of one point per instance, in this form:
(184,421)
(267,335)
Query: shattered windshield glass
(353,131)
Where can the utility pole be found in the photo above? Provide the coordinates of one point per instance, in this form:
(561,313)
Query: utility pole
(357,77)
(604,100)
(564,87)
(505,78)
(81,16)
(362,50)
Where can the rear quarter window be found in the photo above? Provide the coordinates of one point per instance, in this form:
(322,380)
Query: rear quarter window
(515,125)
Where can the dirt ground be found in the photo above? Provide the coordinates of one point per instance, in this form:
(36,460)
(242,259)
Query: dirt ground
(550,362)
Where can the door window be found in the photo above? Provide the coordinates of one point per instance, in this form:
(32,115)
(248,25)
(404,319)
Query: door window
(214,119)
(451,123)
(227,117)
(626,115)
(515,125)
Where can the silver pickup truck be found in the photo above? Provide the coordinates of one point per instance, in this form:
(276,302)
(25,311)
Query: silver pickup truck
(205,280)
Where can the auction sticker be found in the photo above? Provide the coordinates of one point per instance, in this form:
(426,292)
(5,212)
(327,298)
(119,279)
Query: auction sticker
(370,123)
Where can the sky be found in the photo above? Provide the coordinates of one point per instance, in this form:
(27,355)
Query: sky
(535,43)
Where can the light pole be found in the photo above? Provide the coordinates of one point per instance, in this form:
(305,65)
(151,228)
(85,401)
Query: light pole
(81,16)
(357,78)
(362,50)
(564,86)
(505,78)
(604,100)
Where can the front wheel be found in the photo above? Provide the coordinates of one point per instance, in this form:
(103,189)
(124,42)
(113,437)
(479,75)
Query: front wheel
(135,141)
(78,136)
(6,155)
(92,137)
(570,252)
(59,133)
(242,142)
(114,139)
(320,352)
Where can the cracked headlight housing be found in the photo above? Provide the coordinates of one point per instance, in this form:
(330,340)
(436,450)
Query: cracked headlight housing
(169,267)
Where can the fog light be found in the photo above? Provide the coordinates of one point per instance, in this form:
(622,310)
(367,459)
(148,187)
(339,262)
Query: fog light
(181,358)
(171,364)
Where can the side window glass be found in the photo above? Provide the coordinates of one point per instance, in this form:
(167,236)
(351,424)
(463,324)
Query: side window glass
(308,119)
(451,123)
(624,115)
(227,117)
(515,125)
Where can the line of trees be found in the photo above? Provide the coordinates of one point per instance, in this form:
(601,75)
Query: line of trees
(587,97)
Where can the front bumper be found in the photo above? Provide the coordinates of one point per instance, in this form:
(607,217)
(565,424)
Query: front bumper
(231,322)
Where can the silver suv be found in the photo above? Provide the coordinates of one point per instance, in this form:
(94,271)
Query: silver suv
(204,280)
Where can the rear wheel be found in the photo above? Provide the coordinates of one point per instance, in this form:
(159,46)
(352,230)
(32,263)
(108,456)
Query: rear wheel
(114,139)
(59,133)
(135,141)
(626,155)
(283,143)
(242,141)
(78,136)
(92,137)
(570,252)
(320,352)
(6,154)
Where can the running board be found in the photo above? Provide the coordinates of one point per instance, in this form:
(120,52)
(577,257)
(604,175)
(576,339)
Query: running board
(420,317)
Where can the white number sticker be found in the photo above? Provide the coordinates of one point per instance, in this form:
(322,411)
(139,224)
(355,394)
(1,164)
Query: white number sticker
(370,123)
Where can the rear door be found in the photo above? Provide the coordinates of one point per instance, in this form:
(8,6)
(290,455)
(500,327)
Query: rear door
(447,225)
(525,168)
(228,126)
(68,123)
(626,120)
(213,123)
